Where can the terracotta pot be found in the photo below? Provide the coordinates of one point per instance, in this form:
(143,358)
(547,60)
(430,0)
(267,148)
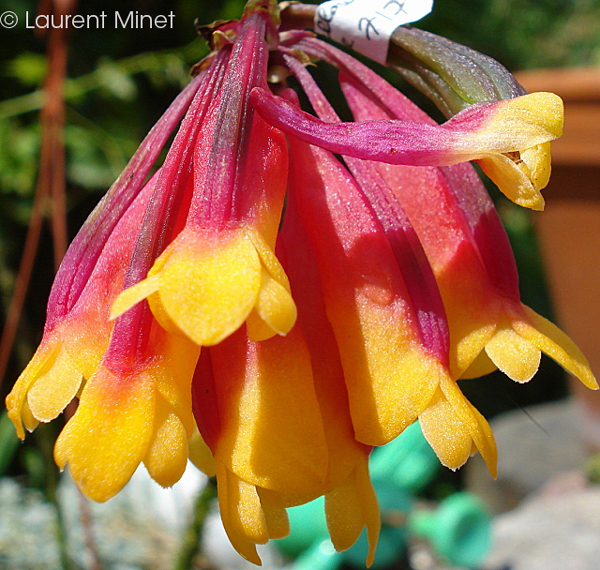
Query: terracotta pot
(569,228)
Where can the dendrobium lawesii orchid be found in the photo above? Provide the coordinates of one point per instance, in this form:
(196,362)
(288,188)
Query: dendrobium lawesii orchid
(295,338)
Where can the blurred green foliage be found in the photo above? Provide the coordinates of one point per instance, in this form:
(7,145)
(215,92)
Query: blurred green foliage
(524,34)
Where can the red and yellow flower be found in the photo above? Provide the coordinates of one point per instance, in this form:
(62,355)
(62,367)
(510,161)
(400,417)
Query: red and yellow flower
(295,338)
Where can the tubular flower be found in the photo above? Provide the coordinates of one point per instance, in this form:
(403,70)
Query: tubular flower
(295,339)
(440,69)
(385,307)
(470,255)
(278,423)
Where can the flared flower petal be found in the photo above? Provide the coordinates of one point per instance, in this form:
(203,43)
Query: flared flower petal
(455,429)
(516,347)
(130,413)
(38,381)
(352,506)
(228,276)
(74,343)
(108,437)
(242,514)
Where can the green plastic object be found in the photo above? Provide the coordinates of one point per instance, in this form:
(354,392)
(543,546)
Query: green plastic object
(307,527)
(408,461)
(459,529)
(320,556)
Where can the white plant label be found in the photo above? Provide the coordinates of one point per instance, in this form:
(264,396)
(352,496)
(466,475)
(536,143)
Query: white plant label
(367,25)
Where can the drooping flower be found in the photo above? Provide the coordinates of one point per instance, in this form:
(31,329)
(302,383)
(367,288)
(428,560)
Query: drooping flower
(225,248)
(479,133)
(384,305)
(295,338)
(275,414)
(469,252)
(454,76)
(81,295)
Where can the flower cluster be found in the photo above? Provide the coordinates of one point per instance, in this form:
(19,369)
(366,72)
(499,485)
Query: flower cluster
(296,306)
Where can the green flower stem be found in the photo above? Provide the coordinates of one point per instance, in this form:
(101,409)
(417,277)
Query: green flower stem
(191,541)
(45,438)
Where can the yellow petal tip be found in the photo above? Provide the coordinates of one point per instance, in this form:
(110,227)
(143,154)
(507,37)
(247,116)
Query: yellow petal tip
(132,296)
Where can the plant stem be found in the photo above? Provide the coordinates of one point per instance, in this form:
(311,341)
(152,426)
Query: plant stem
(45,439)
(191,541)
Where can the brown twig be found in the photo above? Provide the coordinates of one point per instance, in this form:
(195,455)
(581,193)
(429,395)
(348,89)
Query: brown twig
(50,194)
(53,118)
(23,276)
(51,177)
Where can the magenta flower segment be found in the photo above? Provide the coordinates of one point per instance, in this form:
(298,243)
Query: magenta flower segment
(294,306)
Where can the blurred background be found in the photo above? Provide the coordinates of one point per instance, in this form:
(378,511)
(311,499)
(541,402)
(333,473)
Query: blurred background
(117,82)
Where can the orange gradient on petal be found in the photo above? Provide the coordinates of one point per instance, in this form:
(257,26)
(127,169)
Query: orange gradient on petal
(206,285)
(126,417)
